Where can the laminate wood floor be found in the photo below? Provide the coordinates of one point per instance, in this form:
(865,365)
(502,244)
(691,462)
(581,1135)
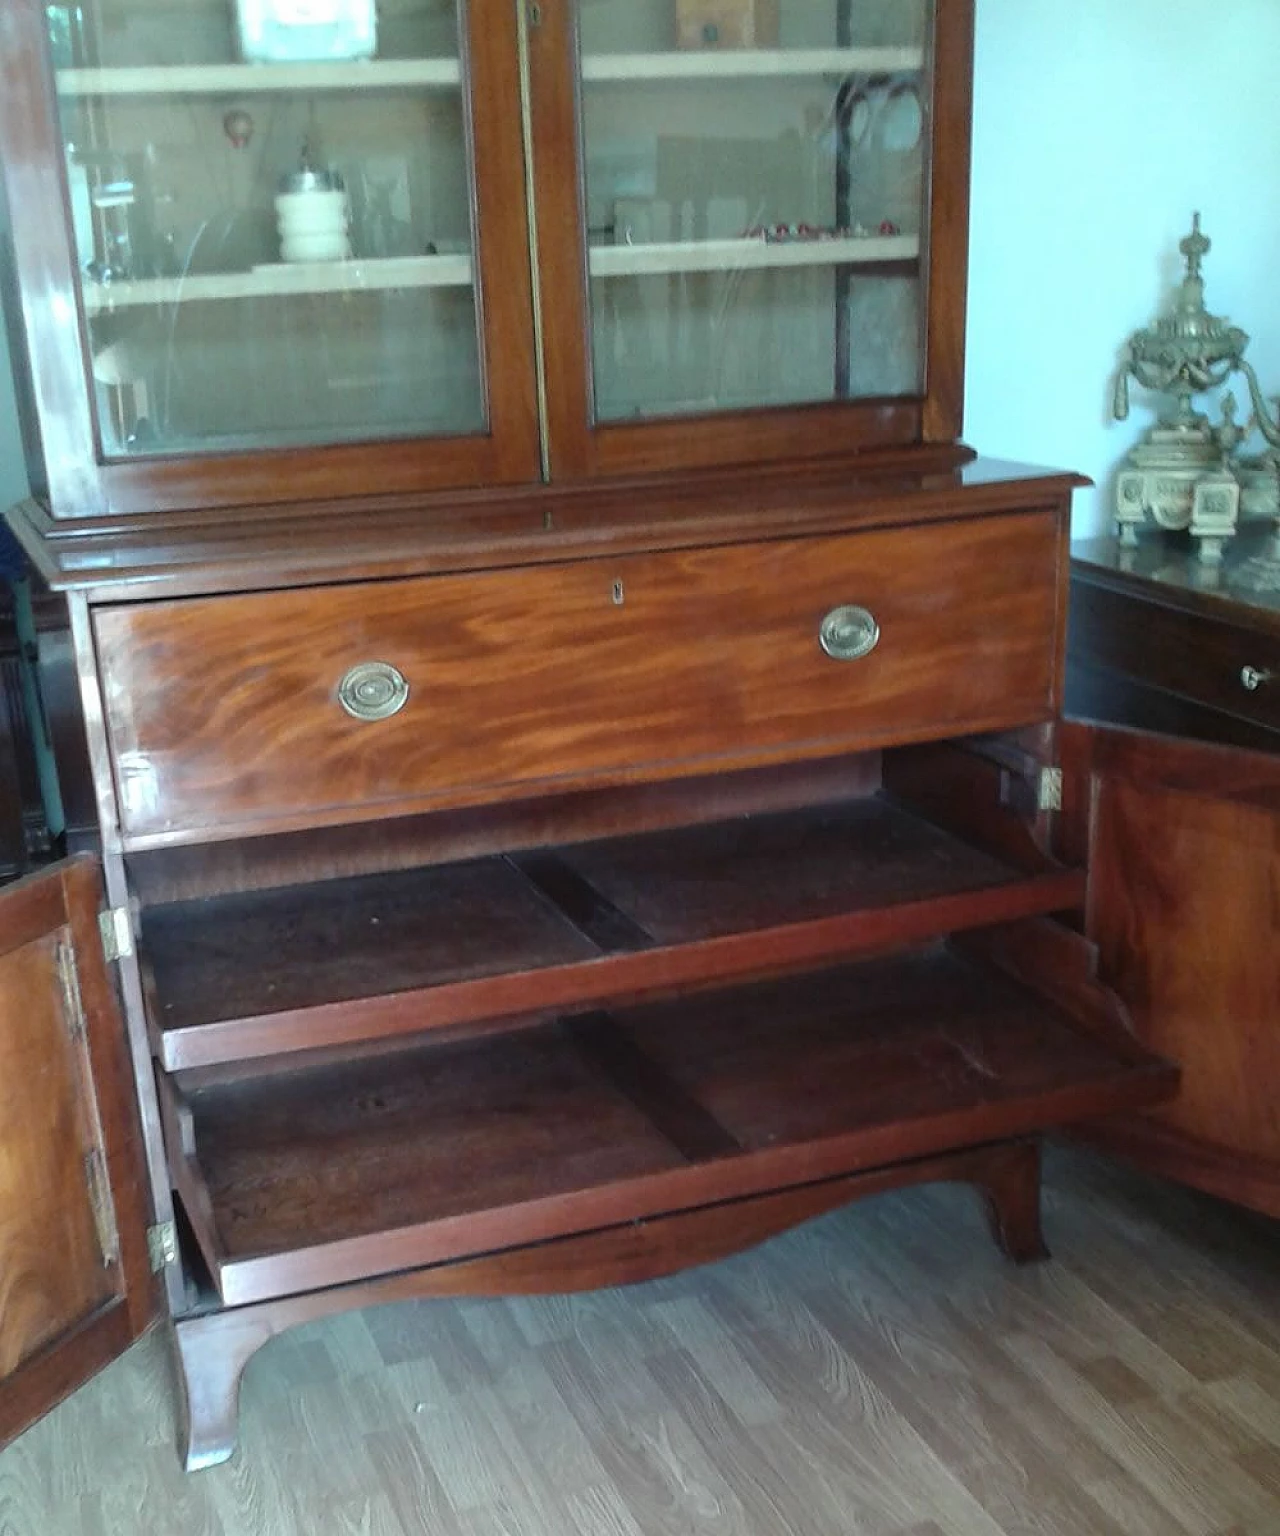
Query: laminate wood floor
(880,1372)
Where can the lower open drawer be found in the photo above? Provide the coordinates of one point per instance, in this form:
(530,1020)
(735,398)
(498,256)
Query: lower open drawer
(322,1176)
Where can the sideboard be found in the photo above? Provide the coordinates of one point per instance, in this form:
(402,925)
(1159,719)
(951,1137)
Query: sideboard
(1187,866)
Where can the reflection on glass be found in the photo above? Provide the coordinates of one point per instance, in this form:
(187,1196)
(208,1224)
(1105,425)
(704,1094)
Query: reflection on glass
(654,26)
(271,253)
(755,184)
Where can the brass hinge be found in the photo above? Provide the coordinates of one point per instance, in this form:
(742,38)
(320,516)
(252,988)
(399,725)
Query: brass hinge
(117,933)
(162,1245)
(72,1006)
(104,1213)
(95,1166)
(1049,794)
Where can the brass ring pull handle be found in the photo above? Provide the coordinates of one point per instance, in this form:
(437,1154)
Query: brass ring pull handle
(1253,678)
(849,633)
(374,690)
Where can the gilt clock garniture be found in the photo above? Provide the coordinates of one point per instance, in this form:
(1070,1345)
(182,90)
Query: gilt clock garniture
(575,733)
(1186,475)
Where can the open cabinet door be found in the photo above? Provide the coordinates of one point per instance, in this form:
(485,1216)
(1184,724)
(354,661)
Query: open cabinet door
(1183,848)
(75,1280)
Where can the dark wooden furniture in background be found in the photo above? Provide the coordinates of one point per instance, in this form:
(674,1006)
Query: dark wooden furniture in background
(20,811)
(1186,864)
(699,867)
(1161,642)
(41,718)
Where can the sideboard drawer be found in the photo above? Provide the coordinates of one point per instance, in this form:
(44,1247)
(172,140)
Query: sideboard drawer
(225,714)
(1224,666)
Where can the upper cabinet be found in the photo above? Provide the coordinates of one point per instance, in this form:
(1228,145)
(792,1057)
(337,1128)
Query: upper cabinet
(272,251)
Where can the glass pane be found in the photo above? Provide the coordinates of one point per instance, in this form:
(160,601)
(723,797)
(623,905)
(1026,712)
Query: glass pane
(272,211)
(756,175)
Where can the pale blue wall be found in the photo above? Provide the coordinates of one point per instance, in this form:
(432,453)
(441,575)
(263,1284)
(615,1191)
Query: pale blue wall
(1099,126)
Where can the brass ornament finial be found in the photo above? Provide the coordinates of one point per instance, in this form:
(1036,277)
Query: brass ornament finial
(1195,247)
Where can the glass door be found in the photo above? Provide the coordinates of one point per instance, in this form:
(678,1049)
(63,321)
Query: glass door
(298,224)
(753,217)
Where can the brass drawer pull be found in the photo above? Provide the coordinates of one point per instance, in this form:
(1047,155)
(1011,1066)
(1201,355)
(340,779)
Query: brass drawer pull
(1253,678)
(374,690)
(849,633)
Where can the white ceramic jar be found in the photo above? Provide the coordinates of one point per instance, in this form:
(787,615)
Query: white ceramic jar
(313,217)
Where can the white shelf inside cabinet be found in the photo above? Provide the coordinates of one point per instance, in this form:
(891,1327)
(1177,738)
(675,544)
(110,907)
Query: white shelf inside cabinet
(749,255)
(453,271)
(750,63)
(256,79)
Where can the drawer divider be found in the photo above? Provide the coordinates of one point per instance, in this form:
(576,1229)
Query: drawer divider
(577,900)
(604,1043)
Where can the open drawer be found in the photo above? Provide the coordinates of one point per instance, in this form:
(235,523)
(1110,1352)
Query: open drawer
(238,977)
(419,1157)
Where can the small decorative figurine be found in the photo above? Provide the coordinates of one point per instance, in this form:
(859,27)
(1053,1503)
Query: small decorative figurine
(1185,473)
(238,127)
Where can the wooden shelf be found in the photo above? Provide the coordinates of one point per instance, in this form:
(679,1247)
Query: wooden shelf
(256,79)
(750,64)
(339,1173)
(749,255)
(283,278)
(242,977)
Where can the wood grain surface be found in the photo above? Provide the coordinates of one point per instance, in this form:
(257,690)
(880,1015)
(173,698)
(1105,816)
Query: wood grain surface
(213,1349)
(1184,897)
(1165,645)
(879,1371)
(258,974)
(75,1286)
(52,1274)
(1097,693)
(740,875)
(1165,568)
(224,714)
(1181,841)
(1182,834)
(375,536)
(187,873)
(331,1175)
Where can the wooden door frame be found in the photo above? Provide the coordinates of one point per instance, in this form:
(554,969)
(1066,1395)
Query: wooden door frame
(68,896)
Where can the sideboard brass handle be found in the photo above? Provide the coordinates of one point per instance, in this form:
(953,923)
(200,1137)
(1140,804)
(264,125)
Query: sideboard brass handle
(1253,678)
(374,690)
(849,633)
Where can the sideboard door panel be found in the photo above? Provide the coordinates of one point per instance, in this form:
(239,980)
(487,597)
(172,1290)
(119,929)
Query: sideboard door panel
(1184,904)
(75,1281)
